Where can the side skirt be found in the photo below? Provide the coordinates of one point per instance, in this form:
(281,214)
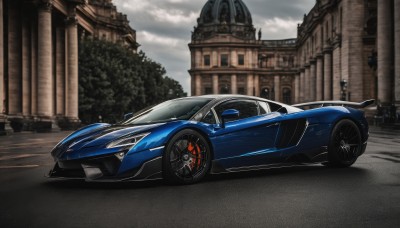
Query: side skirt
(321,157)
(261,167)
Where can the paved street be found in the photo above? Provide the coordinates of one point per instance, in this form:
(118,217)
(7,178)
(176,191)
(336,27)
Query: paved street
(366,195)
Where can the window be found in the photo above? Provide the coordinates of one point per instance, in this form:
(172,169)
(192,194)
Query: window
(246,108)
(265,93)
(182,109)
(264,108)
(208,90)
(287,96)
(274,107)
(241,60)
(209,118)
(207,60)
(224,60)
(224,89)
(241,91)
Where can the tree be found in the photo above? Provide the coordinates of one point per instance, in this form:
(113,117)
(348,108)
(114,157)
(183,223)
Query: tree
(113,81)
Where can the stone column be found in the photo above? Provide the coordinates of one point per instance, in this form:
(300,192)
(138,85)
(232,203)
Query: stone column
(307,83)
(336,74)
(215,84)
(277,88)
(34,68)
(198,85)
(72,68)
(327,73)
(255,59)
(234,58)
(60,71)
(198,57)
(45,68)
(214,58)
(26,66)
(385,51)
(249,58)
(14,60)
(313,78)
(319,80)
(257,85)
(397,52)
(234,84)
(250,85)
(352,50)
(302,85)
(2,89)
(297,89)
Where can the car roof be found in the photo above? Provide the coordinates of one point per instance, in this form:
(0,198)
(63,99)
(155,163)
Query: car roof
(220,97)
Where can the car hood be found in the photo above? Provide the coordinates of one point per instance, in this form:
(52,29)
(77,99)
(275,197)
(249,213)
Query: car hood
(99,135)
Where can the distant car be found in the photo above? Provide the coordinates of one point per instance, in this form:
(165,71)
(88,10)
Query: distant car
(184,139)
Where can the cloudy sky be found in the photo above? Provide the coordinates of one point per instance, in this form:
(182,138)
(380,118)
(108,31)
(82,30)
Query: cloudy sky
(164,27)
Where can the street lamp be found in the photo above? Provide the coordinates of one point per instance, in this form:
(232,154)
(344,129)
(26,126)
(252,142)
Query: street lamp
(373,60)
(170,93)
(343,91)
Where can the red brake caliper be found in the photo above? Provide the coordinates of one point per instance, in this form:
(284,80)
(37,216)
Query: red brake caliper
(195,151)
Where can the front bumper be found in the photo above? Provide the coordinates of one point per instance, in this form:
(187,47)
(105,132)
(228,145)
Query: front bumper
(144,165)
(103,170)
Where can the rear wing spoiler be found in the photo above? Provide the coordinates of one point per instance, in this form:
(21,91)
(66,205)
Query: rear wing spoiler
(319,104)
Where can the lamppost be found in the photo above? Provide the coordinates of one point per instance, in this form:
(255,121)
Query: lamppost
(343,89)
(373,60)
(170,94)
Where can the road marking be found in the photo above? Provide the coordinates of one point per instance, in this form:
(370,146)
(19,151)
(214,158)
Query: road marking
(18,166)
(19,156)
(50,144)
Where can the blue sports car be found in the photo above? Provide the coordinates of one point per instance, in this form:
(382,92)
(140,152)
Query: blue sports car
(183,140)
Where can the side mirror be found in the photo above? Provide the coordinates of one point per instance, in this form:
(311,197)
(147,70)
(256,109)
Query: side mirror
(229,114)
(128,116)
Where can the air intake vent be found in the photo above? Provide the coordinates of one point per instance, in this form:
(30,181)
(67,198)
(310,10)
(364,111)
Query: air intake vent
(290,132)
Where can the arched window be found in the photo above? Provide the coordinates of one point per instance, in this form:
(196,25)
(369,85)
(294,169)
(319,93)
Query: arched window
(287,95)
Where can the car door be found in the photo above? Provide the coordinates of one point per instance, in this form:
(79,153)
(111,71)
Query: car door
(248,139)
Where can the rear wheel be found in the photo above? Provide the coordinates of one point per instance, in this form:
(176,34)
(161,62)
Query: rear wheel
(345,144)
(187,158)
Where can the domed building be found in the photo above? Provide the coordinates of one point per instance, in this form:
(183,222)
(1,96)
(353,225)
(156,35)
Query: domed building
(344,49)
(225,16)
(228,58)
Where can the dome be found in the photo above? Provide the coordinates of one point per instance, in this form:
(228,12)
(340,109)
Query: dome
(224,17)
(225,11)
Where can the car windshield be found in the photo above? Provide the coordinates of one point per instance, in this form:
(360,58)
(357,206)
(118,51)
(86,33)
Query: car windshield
(181,109)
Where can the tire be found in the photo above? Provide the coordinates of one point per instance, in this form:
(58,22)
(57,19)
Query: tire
(187,158)
(344,145)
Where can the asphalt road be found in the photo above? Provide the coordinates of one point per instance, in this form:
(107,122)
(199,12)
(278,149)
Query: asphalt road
(365,195)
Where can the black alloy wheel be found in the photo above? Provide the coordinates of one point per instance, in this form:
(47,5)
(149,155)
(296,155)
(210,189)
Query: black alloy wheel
(345,144)
(187,158)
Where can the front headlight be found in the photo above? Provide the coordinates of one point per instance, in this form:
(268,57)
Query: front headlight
(127,141)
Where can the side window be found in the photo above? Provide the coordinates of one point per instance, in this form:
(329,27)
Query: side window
(264,108)
(246,108)
(209,118)
(274,107)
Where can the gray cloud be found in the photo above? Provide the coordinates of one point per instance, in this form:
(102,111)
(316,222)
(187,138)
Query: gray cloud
(163,27)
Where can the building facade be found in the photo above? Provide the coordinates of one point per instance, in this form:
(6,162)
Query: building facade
(345,49)
(39,42)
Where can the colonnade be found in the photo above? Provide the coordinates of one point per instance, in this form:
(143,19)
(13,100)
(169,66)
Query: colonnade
(40,81)
(252,85)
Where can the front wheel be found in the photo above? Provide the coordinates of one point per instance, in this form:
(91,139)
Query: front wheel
(187,158)
(345,144)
